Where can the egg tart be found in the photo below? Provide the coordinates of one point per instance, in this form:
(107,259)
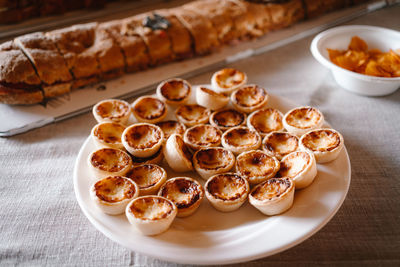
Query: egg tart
(228,118)
(112,194)
(227,191)
(325,144)
(142,139)
(249,98)
(265,121)
(228,80)
(151,215)
(279,144)
(300,120)
(191,115)
(109,162)
(240,139)
(112,110)
(177,154)
(213,160)
(149,109)
(203,135)
(256,166)
(273,196)
(207,97)
(171,127)
(149,178)
(299,166)
(186,193)
(108,134)
(174,91)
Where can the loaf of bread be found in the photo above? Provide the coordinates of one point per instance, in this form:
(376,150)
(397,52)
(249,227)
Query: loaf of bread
(42,65)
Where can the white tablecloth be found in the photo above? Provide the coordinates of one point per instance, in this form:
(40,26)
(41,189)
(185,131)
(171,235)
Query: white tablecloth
(42,224)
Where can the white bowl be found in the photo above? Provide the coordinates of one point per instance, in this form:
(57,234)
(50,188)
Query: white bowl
(339,38)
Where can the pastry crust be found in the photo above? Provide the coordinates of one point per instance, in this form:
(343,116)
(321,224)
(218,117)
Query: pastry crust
(171,127)
(151,215)
(265,121)
(156,158)
(148,177)
(210,99)
(202,136)
(300,120)
(273,196)
(279,144)
(157,41)
(240,139)
(149,109)
(112,194)
(174,91)
(133,47)
(204,36)
(112,110)
(299,166)
(108,134)
(191,115)
(213,160)
(227,119)
(44,55)
(109,162)
(227,192)
(325,144)
(76,44)
(285,14)
(177,154)
(227,80)
(11,95)
(256,166)
(249,98)
(142,139)
(186,193)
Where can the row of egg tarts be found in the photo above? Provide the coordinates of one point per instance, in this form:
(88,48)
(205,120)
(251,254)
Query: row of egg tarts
(283,164)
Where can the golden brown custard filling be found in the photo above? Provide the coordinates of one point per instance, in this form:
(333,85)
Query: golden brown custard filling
(171,127)
(193,112)
(146,175)
(182,146)
(293,164)
(321,140)
(114,189)
(281,143)
(228,118)
(256,163)
(241,137)
(267,120)
(151,208)
(182,192)
(150,108)
(214,158)
(250,96)
(211,92)
(109,132)
(109,159)
(227,78)
(175,90)
(227,187)
(304,118)
(272,188)
(112,109)
(143,136)
(204,135)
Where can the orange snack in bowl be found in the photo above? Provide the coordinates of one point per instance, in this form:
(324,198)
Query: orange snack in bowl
(372,62)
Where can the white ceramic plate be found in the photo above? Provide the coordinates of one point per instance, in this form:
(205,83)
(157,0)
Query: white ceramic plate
(212,237)
(339,38)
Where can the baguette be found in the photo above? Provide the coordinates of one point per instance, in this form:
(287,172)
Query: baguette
(88,53)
